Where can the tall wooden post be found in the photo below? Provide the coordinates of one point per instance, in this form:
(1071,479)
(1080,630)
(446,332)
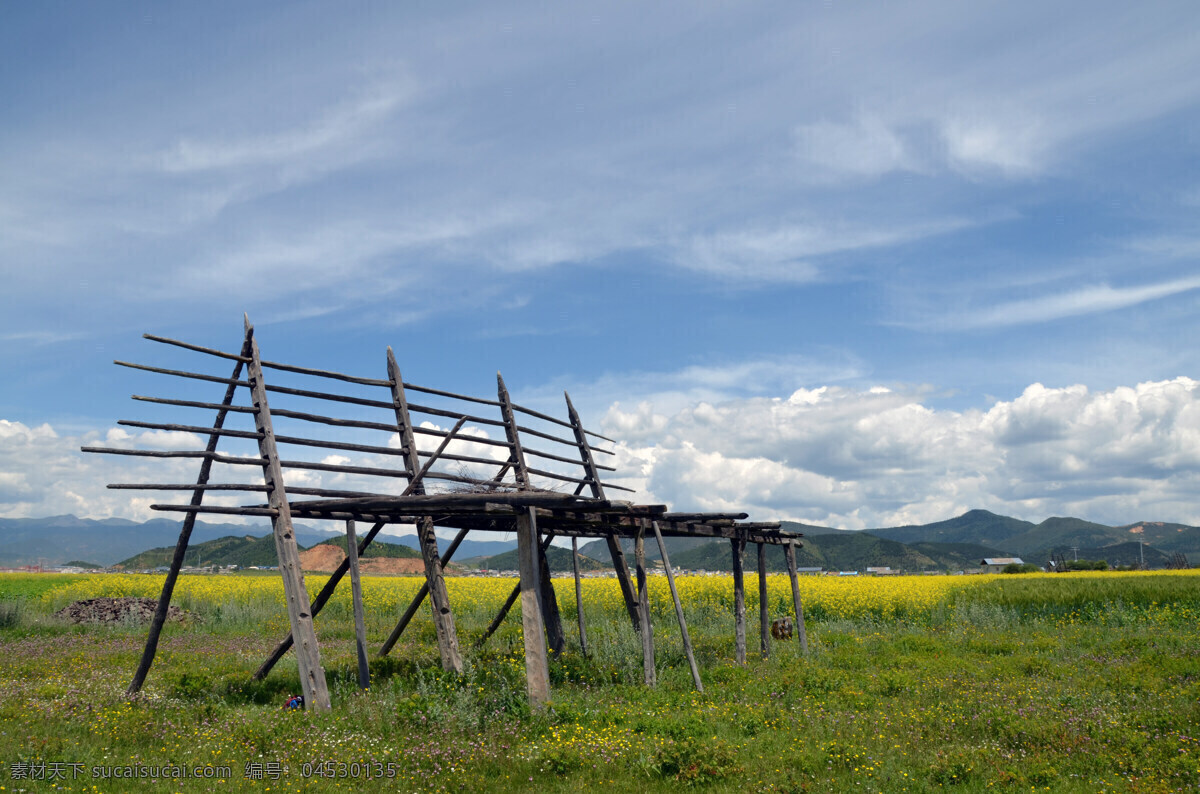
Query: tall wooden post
(443,618)
(360,629)
(537,667)
(547,598)
(578,596)
(739,598)
(647,630)
(185,534)
(308,654)
(614,546)
(683,630)
(764,613)
(790,550)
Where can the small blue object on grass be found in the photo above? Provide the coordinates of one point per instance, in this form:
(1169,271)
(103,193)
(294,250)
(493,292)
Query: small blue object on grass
(294,702)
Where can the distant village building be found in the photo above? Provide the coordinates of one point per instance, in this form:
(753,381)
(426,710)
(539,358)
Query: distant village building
(998,564)
(882,570)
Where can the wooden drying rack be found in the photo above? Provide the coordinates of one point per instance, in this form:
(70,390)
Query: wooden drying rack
(517,497)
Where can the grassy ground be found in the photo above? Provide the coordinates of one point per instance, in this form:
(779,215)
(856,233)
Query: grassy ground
(1068,683)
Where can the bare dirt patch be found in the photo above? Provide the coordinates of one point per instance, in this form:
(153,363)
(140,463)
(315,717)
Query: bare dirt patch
(326,559)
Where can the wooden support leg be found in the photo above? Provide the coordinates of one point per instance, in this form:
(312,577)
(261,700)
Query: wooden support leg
(443,618)
(739,598)
(578,596)
(308,653)
(185,534)
(622,569)
(537,668)
(683,630)
(360,629)
(418,599)
(317,605)
(790,551)
(764,614)
(555,637)
(644,608)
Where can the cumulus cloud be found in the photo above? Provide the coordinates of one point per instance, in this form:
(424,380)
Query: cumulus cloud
(877,457)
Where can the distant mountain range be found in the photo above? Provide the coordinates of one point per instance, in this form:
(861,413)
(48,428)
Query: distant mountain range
(944,545)
(60,539)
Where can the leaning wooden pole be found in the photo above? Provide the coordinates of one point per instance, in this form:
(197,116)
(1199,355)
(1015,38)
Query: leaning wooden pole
(764,612)
(739,598)
(578,596)
(308,654)
(185,534)
(683,629)
(790,550)
(647,630)
(537,666)
(360,628)
(418,599)
(443,618)
(614,545)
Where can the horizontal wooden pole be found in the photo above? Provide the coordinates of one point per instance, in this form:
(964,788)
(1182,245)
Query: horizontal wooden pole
(281,439)
(189,346)
(572,461)
(331,493)
(228,511)
(324,373)
(184,374)
(424,409)
(155,453)
(450,394)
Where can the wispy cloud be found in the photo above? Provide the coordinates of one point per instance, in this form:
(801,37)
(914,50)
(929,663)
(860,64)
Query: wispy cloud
(1087,300)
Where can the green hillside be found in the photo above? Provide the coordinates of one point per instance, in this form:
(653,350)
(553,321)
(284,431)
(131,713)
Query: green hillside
(957,556)
(840,552)
(245,551)
(975,526)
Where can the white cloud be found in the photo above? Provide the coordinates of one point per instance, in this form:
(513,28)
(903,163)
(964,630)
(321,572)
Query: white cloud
(1087,300)
(866,458)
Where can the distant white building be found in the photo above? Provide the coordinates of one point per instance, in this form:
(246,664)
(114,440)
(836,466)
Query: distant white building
(997,564)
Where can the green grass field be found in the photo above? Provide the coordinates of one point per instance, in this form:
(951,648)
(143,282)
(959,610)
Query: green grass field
(1072,683)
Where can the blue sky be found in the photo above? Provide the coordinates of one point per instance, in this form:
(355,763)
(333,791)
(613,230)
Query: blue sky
(844,267)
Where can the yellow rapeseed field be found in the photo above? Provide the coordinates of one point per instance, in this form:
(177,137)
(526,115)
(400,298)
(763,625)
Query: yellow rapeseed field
(823,597)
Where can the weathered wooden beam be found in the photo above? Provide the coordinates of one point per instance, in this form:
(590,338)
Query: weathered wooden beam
(537,667)
(443,618)
(308,654)
(318,603)
(520,472)
(739,599)
(297,440)
(647,628)
(240,358)
(183,374)
(122,486)
(764,616)
(360,628)
(185,533)
(450,394)
(789,551)
(556,420)
(562,459)
(683,629)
